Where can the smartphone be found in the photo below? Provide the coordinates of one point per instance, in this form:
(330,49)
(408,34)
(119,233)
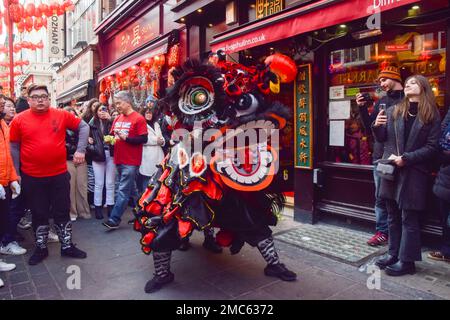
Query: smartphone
(383,106)
(367,98)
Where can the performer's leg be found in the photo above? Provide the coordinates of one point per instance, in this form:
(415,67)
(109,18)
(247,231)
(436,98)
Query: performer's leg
(210,241)
(274,267)
(162,275)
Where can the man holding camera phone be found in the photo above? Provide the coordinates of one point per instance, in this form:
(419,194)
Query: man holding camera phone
(390,82)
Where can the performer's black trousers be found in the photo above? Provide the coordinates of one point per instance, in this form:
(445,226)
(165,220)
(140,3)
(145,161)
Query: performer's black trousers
(48,197)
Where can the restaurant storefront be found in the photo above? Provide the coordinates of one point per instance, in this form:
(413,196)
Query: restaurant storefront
(75,80)
(340,47)
(138,48)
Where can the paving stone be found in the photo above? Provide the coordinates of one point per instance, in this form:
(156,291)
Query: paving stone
(22,290)
(18,277)
(42,279)
(44,292)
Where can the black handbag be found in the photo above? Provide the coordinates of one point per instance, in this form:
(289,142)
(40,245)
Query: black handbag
(386,171)
(385,168)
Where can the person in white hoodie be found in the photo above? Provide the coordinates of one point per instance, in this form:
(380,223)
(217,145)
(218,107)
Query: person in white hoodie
(153,153)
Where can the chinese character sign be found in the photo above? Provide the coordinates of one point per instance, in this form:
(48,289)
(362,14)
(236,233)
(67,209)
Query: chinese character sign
(266,8)
(303,118)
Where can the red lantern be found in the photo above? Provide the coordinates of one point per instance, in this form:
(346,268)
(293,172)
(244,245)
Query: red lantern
(29,24)
(37,11)
(15,13)
(30,9)
(54,7)
(17,47)
(21,27)
(37,24)
(43,8)
(282,66)
(44,22)
(40,45)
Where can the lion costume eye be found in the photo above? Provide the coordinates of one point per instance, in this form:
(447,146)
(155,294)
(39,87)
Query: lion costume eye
(196,96)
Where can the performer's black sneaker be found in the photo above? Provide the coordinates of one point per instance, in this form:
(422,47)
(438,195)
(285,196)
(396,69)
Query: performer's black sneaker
(73,252)
(157,283)
(211,245)
(280,271)
(38,256)
(185,245)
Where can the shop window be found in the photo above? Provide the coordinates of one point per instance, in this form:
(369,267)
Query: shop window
(355,70)
(81,23)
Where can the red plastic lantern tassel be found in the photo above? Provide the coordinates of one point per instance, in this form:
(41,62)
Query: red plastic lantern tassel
(44,22)
(40,45)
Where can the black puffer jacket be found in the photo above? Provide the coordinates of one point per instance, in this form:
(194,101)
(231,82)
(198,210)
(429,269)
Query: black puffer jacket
(96,151)
(71,143)
(442,184)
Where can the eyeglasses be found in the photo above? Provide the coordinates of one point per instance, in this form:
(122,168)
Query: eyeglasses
(41,97)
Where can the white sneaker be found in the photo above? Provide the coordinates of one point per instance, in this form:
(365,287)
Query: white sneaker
(1,283)
(52,237)
(24,223)
(6,266)
(13,249)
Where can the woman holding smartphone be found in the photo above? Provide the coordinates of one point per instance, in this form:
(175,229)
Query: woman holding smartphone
(102,159)
(410,132)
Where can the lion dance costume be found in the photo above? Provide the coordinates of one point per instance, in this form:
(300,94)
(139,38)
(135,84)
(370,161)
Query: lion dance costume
(233,191)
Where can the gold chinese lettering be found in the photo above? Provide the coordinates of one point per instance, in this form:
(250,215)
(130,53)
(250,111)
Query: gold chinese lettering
(302,89)
(303,144)
(136,36)
(302,103)
(267,7)
(302,76)
(303,157)
(303,117)
(302,131)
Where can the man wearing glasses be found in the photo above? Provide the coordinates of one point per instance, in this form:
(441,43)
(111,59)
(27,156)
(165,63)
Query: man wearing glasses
(37,140)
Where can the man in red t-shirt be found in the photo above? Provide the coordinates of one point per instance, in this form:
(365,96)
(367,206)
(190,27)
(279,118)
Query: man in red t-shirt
(38,143)
(130,131)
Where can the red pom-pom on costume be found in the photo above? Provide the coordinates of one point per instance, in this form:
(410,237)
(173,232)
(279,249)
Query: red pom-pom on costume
(283,66)
(148,238)
(224,238)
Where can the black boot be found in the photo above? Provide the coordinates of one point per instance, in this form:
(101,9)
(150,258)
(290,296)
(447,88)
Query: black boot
(162,275)
(210,242)
(400,268)
(37,256)
(386,261)
(41,252)
(98,212)
(68,249)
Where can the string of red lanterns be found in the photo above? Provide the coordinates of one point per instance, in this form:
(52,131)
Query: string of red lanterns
(26,18)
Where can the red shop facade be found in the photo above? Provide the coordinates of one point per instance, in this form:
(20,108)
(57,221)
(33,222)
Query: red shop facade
(139,43)
(340,47)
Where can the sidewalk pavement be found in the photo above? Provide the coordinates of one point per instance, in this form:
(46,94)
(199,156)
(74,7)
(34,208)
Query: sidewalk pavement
(117,269)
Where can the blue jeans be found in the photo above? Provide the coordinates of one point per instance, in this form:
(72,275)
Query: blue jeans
(126,176)
(144,183)
(381,214)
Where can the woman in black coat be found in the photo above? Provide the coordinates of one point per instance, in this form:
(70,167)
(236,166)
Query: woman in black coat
(410,133)
(101,154)
(442,190)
